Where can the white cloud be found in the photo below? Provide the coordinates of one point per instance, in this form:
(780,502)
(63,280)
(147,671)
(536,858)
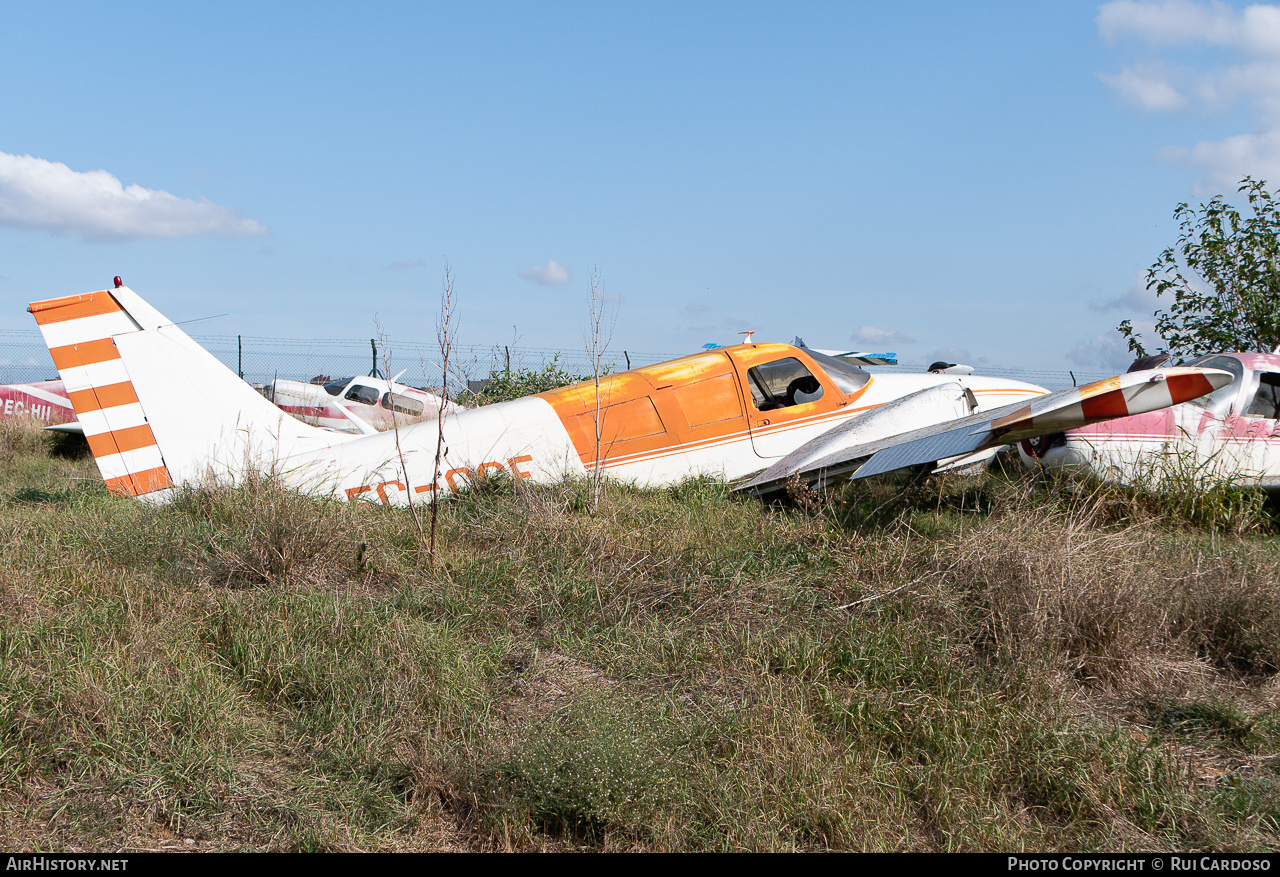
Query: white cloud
(1261,29)
(1250,41)
(876,335)
(1136,299)
(550,274)
(956,355)
(1226,161)
(1107,352)
(40,194)
(1174,22)
(1257,81)
(1146,85)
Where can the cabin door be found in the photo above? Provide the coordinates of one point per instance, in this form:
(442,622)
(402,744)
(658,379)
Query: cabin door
(789,401)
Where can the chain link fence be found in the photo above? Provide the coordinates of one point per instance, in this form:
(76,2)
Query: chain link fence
(24,358)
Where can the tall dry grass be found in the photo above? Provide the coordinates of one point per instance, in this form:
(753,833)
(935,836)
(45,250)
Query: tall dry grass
(986,664)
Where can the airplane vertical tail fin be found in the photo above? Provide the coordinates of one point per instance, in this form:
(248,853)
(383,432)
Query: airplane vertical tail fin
(156,408)
(78,330)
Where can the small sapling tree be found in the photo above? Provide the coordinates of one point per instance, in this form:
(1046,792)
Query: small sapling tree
(602,319)
(444,336)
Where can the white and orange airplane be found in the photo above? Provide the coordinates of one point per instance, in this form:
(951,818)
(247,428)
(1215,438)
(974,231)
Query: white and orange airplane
(160,412)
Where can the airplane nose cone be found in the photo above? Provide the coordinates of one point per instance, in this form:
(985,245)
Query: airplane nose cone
(1038,446)
(1055,451)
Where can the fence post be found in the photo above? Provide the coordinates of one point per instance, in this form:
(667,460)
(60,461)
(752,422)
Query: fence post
(240,356)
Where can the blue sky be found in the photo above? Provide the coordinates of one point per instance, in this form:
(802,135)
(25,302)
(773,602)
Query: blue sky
(983,181)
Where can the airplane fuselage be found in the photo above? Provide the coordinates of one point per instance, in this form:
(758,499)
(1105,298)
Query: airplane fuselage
(724,413)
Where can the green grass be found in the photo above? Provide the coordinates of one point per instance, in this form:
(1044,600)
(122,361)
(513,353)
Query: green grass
(967,664)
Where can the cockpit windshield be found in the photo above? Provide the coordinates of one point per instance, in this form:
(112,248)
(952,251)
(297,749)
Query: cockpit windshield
(848,378)
(335,388)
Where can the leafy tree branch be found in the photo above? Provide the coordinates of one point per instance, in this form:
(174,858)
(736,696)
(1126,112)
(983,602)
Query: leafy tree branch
(1223,276)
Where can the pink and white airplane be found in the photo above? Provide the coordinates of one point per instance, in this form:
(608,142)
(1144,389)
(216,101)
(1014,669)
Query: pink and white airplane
(357,405)
(1233,432)
(46,401)
(159,412)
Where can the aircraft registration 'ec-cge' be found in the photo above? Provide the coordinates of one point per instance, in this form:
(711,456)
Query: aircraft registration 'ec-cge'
(160,412)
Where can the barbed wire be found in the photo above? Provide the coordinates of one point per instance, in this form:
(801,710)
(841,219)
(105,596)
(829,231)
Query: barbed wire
(258,359)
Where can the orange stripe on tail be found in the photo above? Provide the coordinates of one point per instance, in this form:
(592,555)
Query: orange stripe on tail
(73,307)
(72,355)
(108,396)
(138,483)
(121,440)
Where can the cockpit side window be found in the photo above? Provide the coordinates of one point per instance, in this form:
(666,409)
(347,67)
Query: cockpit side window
(783,383)
(1219,401)
(363,394)
(1266,402)
(402,404)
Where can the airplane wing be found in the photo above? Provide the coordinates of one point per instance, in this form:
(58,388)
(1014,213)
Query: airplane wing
(841,451)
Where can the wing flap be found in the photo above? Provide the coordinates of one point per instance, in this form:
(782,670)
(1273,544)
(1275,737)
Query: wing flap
(927,449)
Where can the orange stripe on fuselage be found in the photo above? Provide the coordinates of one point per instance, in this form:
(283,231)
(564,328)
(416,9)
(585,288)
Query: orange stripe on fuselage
(86,353)
(576,406)
(97,398)
(731,436)
(73,307)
